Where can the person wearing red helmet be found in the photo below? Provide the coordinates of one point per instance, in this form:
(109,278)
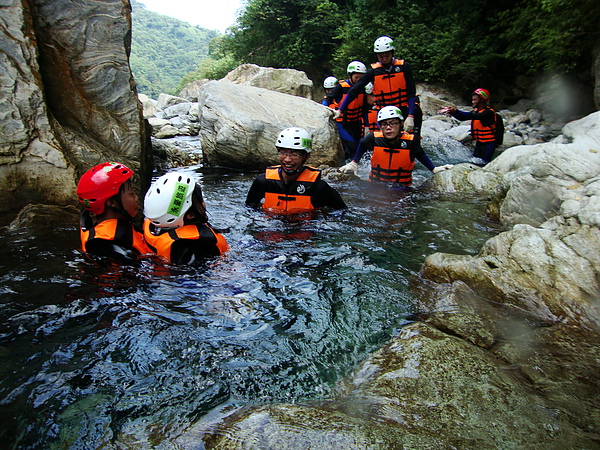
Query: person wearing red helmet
(483,123)
(111,204)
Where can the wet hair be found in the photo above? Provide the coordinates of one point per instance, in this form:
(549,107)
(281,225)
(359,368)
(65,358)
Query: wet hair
(197,208)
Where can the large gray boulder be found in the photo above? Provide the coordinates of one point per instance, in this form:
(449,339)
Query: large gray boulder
(426,389)
(287,81)
(548,260)
(32,164)
(503,351)
(240,125)
(68,98)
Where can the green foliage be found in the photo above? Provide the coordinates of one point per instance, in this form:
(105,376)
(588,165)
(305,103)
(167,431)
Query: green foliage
(286,34)
(163,50)
(462,43)
(210,68)
(554,35)
(459,42)
(444,41)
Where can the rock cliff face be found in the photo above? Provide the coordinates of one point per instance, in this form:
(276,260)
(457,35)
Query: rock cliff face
(68,98)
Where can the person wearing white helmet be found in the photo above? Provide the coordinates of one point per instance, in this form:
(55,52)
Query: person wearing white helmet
(371,124)
(328,84)
(393,85)
(292,187)
(350,122)
(176,226)
(394,151)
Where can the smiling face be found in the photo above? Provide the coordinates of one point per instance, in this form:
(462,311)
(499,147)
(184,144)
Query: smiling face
(291,160)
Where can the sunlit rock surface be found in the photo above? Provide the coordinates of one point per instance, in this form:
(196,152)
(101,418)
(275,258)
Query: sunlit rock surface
(287,81)
(240,126)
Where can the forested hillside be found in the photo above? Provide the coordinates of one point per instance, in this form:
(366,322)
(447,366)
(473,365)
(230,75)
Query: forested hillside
(459,42)
(163,50)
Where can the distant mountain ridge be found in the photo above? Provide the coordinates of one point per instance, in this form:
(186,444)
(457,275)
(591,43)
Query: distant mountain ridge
(164,49)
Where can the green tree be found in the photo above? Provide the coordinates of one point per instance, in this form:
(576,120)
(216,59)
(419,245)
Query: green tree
(555,35)
(286,34)
(163,50)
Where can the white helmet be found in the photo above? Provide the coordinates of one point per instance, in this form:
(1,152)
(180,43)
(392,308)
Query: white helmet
(383,44)
(356,67)
(369,88)
(168,199)
(295,139)
(389,112)
(329,82)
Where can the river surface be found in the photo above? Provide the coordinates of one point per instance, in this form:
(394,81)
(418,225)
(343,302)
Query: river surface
(95,355)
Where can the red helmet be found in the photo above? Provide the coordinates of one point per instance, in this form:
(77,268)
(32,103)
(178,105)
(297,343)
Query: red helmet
(100,183)
(483,93)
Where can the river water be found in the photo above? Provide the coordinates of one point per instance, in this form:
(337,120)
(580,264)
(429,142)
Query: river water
(96,355)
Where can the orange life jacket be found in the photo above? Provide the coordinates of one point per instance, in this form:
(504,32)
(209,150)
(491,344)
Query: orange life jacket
(372,118)
(392,164)
(161,244)
(389,88)
(294,203)
(112,230)
(354,109)
(483,133)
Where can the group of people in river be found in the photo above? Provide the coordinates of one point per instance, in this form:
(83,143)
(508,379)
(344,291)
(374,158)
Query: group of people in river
(362,102)
(176,226)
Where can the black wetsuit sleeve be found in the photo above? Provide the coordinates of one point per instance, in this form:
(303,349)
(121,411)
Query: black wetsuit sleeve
(336,94)
(417,152)
(256,192)
(411,87)
(486,116)
(110,249)
(324,196)
(365,144)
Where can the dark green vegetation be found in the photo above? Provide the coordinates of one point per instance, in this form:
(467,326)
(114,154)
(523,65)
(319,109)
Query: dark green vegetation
(163,50)
(461,43)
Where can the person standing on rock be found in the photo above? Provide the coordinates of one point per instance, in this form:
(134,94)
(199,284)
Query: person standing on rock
(483,123)
(393,85)
(394,152)
(350,122)
(176,226)
(111,204)
(293,187)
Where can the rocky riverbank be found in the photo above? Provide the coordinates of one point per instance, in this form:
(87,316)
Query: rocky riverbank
(504,350)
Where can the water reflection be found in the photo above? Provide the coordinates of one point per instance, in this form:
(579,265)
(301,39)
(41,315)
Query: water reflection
(98,354)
